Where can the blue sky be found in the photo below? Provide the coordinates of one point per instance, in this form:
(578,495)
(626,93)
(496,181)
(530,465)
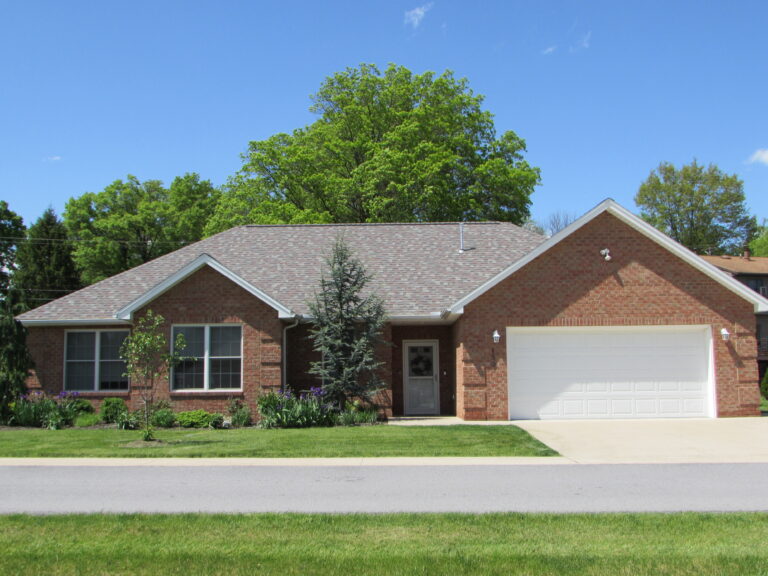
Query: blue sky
(602,92)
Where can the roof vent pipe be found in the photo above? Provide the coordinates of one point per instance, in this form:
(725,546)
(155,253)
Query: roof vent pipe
(462,247)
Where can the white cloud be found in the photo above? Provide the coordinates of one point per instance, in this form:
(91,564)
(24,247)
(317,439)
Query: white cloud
(53,159)
(549,50)
(415,16)
(585,40)
(760,156)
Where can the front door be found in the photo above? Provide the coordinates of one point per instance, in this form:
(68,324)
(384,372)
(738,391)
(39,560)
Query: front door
(420,377)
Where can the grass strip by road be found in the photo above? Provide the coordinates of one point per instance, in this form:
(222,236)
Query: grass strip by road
(357,442)
(508,544)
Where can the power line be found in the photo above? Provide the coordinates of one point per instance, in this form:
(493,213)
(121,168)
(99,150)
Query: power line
(21,239)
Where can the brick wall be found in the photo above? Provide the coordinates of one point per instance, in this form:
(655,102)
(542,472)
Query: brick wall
(446,367)
(206,297)
(301,354)
(571,285)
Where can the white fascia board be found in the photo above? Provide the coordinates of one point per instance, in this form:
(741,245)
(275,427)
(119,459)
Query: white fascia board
(78,322)
(611,206)
(435,318)
(126,313)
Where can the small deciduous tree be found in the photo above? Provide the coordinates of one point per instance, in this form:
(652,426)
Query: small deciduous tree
(148,361)
(347,327)
(15,360)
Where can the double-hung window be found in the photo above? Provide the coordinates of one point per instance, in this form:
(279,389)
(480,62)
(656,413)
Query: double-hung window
(212,358)
(92,361)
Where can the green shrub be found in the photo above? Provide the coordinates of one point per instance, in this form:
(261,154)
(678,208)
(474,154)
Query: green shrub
(111,408)
(239,412)
(87,419)
(69,408)
(34,410)
(82,406)
(199,419)
(284,410)
(216,420)
(764,385)
(126,420)
(163,418)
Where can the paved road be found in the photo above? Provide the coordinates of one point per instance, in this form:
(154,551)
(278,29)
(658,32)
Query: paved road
(62,489)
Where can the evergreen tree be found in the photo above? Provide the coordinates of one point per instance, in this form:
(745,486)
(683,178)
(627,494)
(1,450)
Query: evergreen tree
(46,270)
(15,360)
(11,232)
(347,328)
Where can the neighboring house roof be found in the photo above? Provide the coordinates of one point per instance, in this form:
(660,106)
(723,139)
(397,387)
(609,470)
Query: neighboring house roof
(739,264)
(417,268)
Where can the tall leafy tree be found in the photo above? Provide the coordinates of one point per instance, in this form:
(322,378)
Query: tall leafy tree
(15,360)
(347,327)
(702,208)
(11,233)
(392,146)
(759,244)
(46,270)
(192,202)
(132,222)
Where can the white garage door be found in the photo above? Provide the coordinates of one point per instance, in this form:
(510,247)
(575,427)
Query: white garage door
(610,372)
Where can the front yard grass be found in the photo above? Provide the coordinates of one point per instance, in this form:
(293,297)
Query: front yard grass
(508,544)
(363,441)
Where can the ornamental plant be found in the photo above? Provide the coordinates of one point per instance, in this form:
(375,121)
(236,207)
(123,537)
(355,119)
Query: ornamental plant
(148,361)
(347,327)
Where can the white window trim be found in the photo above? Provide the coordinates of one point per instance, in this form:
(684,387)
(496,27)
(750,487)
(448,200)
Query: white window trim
(206,359)
(96,359)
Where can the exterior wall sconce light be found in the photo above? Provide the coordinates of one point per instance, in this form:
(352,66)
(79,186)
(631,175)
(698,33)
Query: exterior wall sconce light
(606,254)
(725,334)
(496,336)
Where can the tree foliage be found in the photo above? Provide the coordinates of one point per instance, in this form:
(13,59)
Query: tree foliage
(759,245)
(15,360)
(148,361)
(132,222)
(46,270)
(11,233)
(347,327)
(386,147)
(702,208)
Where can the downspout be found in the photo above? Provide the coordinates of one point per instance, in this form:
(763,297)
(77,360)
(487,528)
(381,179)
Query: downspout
(284,347)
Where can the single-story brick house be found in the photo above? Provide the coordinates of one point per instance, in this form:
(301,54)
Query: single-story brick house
(609,318)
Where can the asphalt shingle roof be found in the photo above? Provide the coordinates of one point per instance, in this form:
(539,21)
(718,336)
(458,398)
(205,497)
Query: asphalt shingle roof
(416,268)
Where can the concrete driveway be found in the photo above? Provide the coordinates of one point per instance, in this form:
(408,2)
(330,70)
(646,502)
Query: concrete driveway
(654,441)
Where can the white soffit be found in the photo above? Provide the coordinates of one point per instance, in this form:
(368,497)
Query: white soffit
(611,206)
(126,312)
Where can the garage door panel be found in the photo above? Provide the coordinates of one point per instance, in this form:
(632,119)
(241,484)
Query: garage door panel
(609,372)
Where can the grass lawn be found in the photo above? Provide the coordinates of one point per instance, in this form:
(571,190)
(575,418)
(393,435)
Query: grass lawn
(490,544)
(363,441)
